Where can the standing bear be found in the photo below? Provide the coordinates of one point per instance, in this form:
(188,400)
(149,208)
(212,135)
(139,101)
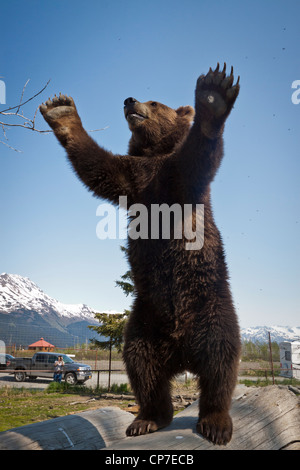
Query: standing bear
(183,316)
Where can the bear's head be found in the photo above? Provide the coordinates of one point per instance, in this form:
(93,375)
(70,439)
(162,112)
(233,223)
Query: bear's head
(156,128)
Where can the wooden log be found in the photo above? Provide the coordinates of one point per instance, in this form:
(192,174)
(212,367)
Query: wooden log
(263,418)
(88,430)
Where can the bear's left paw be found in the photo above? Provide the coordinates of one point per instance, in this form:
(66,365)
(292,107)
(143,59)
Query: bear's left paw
(216,427)
(216,93)
(141,426)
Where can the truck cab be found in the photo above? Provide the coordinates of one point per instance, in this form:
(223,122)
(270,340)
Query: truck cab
(42,365)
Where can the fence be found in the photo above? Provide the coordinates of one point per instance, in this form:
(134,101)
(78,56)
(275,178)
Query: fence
(107,367)
(107,373)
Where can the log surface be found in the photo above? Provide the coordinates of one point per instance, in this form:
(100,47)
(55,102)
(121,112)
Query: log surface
(265,418)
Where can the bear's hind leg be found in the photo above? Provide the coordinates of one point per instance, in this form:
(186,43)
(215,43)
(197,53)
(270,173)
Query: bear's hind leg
(149,379)
(155,413)
(216,364)
(215,423)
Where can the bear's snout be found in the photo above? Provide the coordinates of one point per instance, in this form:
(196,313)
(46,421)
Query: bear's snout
(130,101)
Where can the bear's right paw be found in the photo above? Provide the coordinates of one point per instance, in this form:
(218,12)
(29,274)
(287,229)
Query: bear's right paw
(56,111)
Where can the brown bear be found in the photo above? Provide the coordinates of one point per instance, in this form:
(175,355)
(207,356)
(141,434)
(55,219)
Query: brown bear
(183,316)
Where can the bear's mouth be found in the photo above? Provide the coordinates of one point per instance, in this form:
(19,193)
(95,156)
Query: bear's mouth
(133,114)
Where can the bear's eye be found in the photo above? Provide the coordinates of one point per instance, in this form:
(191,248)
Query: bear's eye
(154,104)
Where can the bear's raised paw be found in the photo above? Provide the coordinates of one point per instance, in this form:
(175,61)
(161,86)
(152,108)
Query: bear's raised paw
(216,93)
(57,109)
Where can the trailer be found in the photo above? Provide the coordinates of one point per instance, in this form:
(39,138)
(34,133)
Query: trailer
(290,359)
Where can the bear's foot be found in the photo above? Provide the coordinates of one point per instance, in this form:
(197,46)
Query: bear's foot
(215,97)
(145,426)
(216,427)
(141,426)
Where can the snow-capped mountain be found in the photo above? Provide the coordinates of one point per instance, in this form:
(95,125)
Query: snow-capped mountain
(20,293)
(27,314)
(278,333)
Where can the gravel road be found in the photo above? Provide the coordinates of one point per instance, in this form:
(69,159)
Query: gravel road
(39,383)
(116,377)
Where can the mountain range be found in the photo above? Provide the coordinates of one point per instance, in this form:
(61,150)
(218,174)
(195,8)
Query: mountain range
(27,314)
(278,333)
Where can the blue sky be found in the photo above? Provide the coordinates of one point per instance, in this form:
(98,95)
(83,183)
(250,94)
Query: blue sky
(101,52)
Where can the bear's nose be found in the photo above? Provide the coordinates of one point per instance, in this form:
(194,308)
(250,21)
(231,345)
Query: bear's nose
(130,101)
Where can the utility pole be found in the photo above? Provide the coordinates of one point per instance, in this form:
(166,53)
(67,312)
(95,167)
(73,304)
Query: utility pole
(271,358)
(109,367)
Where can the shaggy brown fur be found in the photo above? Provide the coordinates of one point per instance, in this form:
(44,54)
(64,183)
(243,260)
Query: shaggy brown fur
(183,316)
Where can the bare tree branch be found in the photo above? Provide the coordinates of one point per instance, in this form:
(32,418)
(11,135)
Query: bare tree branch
(28,124)
(10,147)
(21,99)
(27,101)
(23,121)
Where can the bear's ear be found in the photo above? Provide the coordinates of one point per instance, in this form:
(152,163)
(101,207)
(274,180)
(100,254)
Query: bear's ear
(186,111)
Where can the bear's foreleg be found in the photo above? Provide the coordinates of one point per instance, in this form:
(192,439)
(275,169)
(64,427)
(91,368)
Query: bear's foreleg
(107,175)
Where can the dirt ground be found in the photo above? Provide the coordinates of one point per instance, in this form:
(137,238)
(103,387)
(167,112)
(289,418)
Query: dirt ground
(182,396)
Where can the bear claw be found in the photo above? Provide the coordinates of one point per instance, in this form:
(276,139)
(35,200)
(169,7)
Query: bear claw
(216,76)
